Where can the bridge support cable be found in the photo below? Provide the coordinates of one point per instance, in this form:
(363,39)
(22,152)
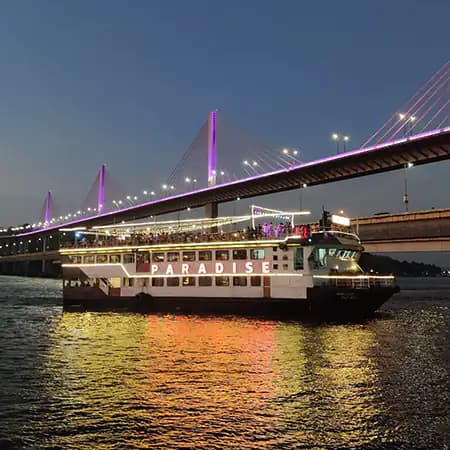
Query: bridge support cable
(192,165)
(217,155)
(98,198)
(412,113)
(440,95)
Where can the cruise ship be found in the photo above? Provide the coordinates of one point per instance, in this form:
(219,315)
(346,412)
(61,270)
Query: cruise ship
(222,266)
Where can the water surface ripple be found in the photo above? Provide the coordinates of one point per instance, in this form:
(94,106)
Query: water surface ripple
(114,380)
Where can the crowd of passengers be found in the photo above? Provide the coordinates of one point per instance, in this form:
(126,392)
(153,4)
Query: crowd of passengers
(260,232)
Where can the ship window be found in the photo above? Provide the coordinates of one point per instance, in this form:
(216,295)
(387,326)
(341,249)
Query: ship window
(128,258)
(89,259)
(188,256)
(285,266)
(332,251)
(205,281)
(128,282)
(75,259)
(275,257)
(319,257)
(142,282)
(173,256)
(142,258)
(114,259)
(239,281)
(240,253)
(322,257)
(205,255)
(257,253)
(275,266)
(158,257)
(188,281)
(114,282)
(222,255)
(157,282)
(274,249)
(102,259)
(255,281)
(285,257)
(222,281)
(298,259)
(173,281)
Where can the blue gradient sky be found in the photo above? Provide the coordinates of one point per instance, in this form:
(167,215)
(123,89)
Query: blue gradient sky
(130,83)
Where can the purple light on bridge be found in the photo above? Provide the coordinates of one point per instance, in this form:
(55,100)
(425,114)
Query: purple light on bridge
(212,148)
(101,189)
(255,177)
(48,210)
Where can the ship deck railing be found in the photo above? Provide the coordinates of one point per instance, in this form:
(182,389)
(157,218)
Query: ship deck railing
(143,240)
(354,282)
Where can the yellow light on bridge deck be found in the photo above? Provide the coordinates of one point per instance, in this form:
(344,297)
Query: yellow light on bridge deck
(340,220)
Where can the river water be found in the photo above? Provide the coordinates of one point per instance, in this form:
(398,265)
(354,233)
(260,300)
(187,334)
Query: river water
(115,380)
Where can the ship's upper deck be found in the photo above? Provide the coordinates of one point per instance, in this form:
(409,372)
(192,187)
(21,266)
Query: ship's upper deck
(219,231)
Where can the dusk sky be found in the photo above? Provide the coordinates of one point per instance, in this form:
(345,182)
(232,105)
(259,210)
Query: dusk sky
(130,83)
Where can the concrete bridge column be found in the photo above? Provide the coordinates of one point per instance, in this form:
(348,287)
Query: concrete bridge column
(211,210)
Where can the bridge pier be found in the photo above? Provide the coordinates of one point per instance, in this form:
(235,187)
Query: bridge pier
(211,210)
(32,268)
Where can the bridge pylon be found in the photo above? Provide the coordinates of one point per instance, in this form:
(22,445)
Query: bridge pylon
(101,189)
(211,209)
(212,148)
(48,208)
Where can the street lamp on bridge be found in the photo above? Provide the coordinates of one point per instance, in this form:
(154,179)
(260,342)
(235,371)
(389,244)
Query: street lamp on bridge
(407,120)
(405,193)
(191,182)
(344,138)
(251,165)
(302,187)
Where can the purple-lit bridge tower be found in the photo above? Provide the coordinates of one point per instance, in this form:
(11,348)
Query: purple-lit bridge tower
(211,209)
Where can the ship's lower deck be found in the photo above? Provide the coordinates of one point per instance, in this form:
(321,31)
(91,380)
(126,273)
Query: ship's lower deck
(321,302)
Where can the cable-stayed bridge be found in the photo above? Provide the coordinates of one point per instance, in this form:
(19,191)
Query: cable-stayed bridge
(225,164)
(427,147)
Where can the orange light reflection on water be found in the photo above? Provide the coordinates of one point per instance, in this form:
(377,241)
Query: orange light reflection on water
(179,381)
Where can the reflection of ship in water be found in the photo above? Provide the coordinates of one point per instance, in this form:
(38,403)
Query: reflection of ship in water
(170,381)
(327,385)
(207,266)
